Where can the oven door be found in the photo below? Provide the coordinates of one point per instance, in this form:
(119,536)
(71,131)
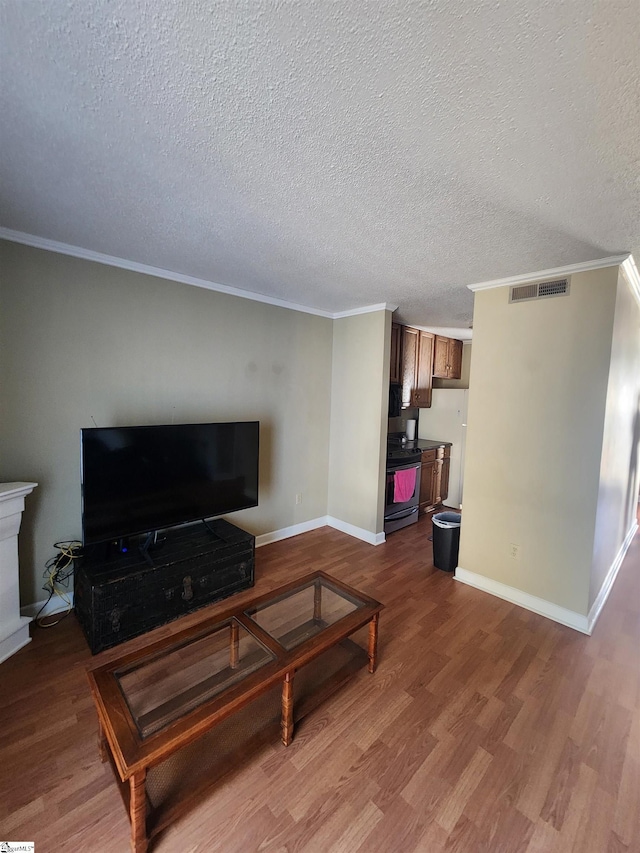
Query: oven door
(400,513)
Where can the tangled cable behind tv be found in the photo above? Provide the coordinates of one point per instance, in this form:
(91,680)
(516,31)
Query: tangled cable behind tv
(57,573)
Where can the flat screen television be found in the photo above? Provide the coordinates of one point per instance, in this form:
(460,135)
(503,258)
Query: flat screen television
(141,479)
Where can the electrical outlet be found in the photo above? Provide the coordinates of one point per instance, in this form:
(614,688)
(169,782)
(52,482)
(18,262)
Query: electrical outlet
(514,551)
(299,498)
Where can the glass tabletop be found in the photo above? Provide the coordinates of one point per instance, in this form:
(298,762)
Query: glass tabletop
(164,687)
(167,684)
(295,616)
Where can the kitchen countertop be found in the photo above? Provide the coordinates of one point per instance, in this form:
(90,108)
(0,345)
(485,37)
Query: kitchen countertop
(425,444)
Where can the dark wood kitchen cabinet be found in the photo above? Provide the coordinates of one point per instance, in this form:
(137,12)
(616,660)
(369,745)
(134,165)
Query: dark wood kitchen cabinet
(447,358)
(444,475)
(434,477)
(427,480)
(417,367)
(395,366)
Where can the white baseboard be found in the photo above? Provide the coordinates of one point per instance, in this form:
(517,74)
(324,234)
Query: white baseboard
(607,586)
(524,599)
(323,521)
(55,605)
(357,532)
(16,639)
(584,624)
(287,532)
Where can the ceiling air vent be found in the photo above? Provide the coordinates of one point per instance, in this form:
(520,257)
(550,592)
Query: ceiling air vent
(522,292)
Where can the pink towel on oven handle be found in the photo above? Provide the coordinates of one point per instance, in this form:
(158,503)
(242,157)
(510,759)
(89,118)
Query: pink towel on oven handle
(404,484)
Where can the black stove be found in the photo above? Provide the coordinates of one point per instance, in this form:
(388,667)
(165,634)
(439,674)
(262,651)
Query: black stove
(401,452)
(402,456)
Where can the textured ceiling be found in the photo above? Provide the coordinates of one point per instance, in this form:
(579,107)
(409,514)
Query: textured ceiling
(331,154)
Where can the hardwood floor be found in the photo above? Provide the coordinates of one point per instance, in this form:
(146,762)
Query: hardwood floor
(485,728)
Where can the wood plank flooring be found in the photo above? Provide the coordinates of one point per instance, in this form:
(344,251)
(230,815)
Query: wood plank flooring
(485,728)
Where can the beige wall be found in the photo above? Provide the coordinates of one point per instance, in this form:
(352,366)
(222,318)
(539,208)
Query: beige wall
(618,491)
(537,397)
(359,406)
(81,342)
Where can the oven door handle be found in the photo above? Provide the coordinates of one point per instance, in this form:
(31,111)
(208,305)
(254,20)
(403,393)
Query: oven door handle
(404,467)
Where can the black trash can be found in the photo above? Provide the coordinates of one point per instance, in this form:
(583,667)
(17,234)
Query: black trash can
(446,540)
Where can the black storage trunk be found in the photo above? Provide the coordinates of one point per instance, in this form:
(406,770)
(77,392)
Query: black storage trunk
(123,596)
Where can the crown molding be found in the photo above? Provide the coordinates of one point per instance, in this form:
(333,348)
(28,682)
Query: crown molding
(556,272)
(367,309)
(145,269)
(462,334)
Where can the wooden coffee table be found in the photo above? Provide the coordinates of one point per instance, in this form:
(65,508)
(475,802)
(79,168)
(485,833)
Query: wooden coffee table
(160,699)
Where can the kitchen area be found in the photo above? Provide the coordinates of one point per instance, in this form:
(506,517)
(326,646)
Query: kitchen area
(429,379)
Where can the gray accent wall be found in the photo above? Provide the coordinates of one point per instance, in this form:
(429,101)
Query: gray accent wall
(82,343)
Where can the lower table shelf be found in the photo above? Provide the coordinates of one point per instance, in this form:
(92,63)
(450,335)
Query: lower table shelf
(190,775)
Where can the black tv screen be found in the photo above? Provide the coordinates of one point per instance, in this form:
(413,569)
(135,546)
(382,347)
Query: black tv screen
(141,479)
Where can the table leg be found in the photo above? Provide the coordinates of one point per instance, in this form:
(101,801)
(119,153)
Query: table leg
(233,652)
(102,744)
(317,602)
(287,709)
(138,812)
(373,643)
